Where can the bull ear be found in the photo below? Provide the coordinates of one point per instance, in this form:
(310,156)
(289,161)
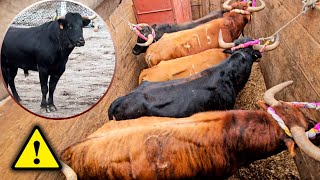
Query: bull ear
(154,26)
(86,22)
(228,51)
(63,23)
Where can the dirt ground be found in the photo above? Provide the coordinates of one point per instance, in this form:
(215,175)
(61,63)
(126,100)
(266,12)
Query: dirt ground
(88,74)
(280,166)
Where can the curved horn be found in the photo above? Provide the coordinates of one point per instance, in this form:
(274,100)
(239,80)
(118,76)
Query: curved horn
(89,17)
(223,44)
(299,136)
(150,40)
(143,24)
(68,171)
(269,94)
(59,17)
(226,5)
(269,47)
(259,8)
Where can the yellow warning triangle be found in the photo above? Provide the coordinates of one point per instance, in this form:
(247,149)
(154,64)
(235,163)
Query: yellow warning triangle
(36,153)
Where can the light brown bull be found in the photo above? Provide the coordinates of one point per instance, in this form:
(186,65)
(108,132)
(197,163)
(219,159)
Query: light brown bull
(183,67)
(201,38)
(206,145)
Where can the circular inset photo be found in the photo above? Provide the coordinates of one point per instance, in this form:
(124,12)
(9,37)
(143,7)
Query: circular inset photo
(57,59)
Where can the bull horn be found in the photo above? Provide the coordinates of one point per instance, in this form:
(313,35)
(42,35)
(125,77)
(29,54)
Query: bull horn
(223,44)
(68,171)
(259,8)
(59,17)
(268,47)
(299,136)
(150,40)
(89,17)
(269,94)
(226,5)
(143,24)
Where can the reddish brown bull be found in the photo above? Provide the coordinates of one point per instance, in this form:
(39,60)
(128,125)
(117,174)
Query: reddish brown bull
(201,38)
(183,67)
(205,145)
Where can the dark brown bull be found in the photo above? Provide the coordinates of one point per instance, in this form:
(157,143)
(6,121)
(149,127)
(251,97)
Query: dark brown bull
(210,145)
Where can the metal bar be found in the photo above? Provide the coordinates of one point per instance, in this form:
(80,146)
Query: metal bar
(155,11)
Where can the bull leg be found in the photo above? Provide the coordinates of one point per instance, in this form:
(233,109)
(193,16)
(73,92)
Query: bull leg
(12,72)
(43,75)
(52,86)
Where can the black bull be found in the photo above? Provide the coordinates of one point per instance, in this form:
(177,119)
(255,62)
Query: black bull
(44,48)
(215,88)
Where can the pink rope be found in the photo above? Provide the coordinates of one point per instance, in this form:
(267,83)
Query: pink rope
(317,127)
(137,30)
(309,105)
(140,35)
(245,45)
(254,3)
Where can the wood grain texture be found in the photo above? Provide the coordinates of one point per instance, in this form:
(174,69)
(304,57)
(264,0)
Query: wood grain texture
(200,8)
(296,59)
(16,123)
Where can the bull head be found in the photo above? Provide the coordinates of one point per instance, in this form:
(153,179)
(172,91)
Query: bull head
(228,7)
(71,27)
(271,47)
(136,28)
(296,128)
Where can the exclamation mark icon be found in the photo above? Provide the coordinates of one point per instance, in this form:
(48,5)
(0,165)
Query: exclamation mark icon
(36,145)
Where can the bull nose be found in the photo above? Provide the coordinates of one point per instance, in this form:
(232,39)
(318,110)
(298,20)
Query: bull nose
(135,52)
(80,42)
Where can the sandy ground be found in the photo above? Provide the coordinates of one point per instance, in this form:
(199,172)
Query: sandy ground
(88,74)
(280,166)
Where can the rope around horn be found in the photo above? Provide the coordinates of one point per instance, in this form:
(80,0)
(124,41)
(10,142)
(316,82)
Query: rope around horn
(310,134)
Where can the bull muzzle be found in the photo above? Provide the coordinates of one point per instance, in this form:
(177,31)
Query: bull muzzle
(226,6)
(80,42)
(298,133)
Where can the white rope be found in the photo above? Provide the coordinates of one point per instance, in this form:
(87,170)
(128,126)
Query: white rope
(288,23)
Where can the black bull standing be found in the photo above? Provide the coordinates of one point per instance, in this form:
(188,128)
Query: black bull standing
(44,48)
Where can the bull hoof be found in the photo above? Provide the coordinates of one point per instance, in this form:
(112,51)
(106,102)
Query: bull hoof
(52,108)
(46,109)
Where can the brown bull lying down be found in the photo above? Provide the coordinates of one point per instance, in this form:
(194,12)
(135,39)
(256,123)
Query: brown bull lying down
(200,38)
(205,145)
(183,67)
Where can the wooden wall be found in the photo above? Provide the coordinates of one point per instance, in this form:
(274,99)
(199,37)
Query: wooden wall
(200,8)
(298,56)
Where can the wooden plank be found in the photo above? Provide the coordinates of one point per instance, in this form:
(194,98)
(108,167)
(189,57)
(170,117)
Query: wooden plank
(16,123)
(296,59)
(205,7)
(216,5)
